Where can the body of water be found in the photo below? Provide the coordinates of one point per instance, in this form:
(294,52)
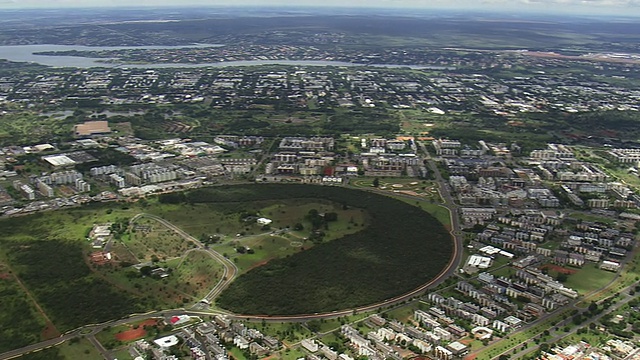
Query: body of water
(26,53)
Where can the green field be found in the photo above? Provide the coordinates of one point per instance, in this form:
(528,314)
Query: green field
(79,349)
(589,278)
(70,350)
(46,354)
(289,332)
(149,237)
(279,240)
(190,279)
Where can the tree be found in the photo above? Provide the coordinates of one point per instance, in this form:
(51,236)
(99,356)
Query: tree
(330,216)
(376,182)
(146,270)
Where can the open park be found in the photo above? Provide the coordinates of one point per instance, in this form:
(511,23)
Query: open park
(310,241)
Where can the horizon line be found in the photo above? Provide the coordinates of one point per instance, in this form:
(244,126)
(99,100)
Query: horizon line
(470,10)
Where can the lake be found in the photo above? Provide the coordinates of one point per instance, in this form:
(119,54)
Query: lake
(25,53)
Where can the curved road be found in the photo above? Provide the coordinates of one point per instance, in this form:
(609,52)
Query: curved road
(231,271)
(450,270)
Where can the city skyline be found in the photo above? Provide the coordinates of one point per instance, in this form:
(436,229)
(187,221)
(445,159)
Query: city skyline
(592,7)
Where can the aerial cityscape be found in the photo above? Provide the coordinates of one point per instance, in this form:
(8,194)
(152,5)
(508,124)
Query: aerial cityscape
(215,180)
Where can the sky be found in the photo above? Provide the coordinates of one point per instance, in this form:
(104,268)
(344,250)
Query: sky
(596,7)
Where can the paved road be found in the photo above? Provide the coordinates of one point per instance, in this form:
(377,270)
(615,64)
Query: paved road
(442,276)
(230,269)
(568,321)
(90,331)
(560,334)
(104,352)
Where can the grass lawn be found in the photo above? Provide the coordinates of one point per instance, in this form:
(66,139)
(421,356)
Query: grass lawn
(237,353)
(505,271)
(327,326)
(122,354)
(592,338)
(289,354)
(589,278)
(439,212)
(107,335)
(628,276)
(329,338)
(280,240)
(265,248)
(201,219)
(289,333)
(593,218)
(190,278)
(150,238)
(81,349)
(404,313)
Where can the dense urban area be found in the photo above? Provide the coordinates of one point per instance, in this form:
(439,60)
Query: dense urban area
(527,161)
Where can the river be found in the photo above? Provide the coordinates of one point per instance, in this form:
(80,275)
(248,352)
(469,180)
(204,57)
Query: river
(26,53)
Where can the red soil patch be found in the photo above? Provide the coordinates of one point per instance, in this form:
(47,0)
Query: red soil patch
(131,335)
(150,322)
(259,264)
(559,269)
(49,332)
(99,257)
(134,334)
(470,357)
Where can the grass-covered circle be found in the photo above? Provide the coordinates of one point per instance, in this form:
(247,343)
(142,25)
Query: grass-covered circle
(402,248)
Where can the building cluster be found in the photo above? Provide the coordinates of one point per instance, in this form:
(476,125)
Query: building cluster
(44,185)
(314,159)
(210,340)
(307,88)
(525,233)
(548,178)
(311,157)
(390,339)
(582,350)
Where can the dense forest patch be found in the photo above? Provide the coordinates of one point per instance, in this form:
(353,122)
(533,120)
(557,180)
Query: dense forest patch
(402,248)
